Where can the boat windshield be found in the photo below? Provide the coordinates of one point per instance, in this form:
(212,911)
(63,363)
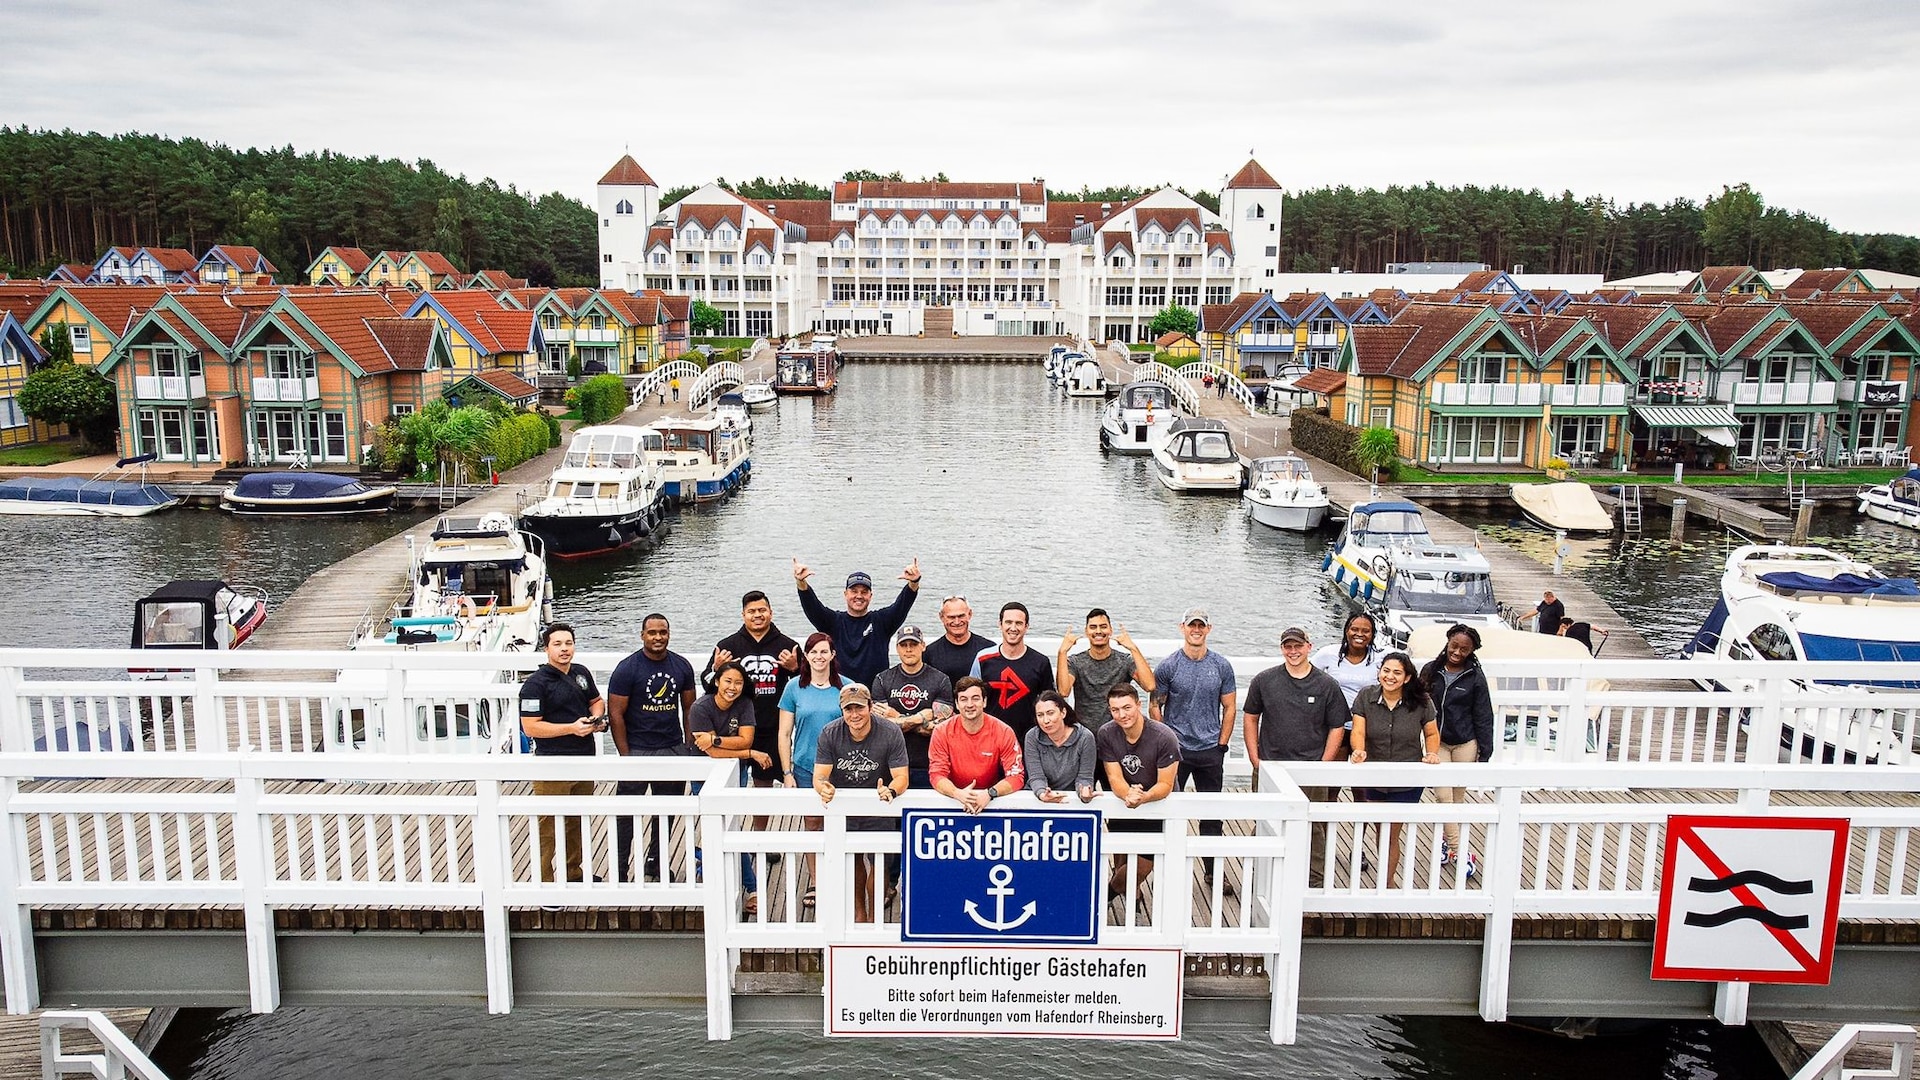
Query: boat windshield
(1208,446)
(166,622)
(1282,469)
(1386,527)
(1450,592)
(1149,395)
(602,449)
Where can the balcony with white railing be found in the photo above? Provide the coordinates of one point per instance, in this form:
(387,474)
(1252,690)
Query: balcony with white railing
(1489,394)
(588,336)
(1266,341)
(286,390)
(1823,392)
(1588,396)
(1324,340)
(169,387)
(1873,392)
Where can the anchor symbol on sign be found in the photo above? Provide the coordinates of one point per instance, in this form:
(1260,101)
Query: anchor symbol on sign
(1002,878)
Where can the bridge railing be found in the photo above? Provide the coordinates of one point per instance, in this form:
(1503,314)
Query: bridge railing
(1194,370)
(1183,393)
(714,381)
(261,831)
(653,381)
(428,704)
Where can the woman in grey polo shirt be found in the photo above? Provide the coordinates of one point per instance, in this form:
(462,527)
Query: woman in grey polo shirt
(1393,721)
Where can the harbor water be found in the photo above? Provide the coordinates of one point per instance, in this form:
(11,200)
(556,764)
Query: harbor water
(1001,492)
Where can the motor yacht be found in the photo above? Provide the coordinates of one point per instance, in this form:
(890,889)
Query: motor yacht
(1138,419)
(700,458)
(1281,494)
(1386,563)
(1896,502)
(1083,376)
(1197,455)
(604,496)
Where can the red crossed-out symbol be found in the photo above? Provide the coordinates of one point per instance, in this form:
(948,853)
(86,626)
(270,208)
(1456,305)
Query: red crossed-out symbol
(1745,895)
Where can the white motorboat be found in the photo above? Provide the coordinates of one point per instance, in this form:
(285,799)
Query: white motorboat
(1896,502)
(1055,361)
(1810,603)
(604,496)
(1197,455)
(478,585)
(759,396)
(731,410)
(1386,563)
(1281,389)
(1281,494)
(195,615)
(96,496)
(700,458)
(1084,377)
(1569,506)
(1138,419)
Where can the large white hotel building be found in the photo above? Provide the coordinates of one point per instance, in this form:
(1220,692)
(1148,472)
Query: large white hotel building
(907,258)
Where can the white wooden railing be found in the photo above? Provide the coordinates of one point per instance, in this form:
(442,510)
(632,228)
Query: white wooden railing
(1194,370)
(464,837)
(1183,393)
(119,1057)
(653,381)
(1830,1061)
(716,379)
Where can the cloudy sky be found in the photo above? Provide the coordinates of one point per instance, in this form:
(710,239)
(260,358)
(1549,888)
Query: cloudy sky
(1811,103)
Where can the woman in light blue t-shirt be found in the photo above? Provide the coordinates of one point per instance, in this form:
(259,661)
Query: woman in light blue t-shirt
(807,706)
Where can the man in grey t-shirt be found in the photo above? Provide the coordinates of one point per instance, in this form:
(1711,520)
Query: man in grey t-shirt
(1087,676)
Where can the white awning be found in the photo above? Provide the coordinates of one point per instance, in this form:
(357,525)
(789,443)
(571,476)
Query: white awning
(1714,422)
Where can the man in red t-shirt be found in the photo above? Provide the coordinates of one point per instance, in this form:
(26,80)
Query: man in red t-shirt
(974,758)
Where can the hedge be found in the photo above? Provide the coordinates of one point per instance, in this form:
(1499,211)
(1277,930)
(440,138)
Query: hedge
(1316,433)
(601,398)
(517,439)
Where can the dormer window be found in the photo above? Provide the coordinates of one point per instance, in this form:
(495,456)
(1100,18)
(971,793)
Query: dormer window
(623,207)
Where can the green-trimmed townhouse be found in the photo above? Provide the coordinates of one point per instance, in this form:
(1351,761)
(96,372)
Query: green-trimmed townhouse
(19,355)
(1457,383)
(321,373)
(95,316)
(1717,281)
(1876,354)
(1672,366)
(1778,378)
(1585,388)
(176,383)
(1250,336)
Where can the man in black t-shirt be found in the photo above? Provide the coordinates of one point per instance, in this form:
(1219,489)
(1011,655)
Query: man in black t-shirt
(1015,675)
(561,711)
(1550,612)
(953,653)
(1140,763)
(771,658)
(915,696)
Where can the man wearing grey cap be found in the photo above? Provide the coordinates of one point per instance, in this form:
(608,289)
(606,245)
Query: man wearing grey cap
(915,696)
(1193,693)
(1296,712)
(859,633)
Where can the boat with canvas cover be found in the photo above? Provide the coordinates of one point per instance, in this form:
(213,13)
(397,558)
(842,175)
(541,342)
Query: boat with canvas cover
(1896,502)
(95,496)
(1197,455)
(195,615)
(305,493)
(1569,506)
(1136,420)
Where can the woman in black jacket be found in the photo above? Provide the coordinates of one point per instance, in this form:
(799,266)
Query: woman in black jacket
(1463,704)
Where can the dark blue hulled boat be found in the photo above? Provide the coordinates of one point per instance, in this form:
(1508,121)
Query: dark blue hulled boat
(305,493)
(73,496)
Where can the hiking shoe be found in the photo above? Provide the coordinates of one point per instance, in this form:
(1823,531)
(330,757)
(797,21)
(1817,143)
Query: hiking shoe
(1473,866)
(1446,856)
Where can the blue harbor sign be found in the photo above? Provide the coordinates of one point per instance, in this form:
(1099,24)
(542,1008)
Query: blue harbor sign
(1001,876)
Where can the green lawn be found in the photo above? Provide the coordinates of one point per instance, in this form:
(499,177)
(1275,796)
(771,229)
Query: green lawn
(44,453)
(1410,474)
(724,342)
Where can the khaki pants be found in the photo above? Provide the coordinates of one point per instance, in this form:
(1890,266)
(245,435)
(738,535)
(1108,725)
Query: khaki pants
(574,828)
(1316,875)
(1466,751)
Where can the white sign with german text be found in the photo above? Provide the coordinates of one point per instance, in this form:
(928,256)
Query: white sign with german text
(1035,991)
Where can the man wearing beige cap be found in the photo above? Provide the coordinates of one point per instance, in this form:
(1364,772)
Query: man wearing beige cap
(1193,693)
(860,752)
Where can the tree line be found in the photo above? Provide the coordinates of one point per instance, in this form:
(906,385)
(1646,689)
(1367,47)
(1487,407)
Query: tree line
(66,196)
(1364,229)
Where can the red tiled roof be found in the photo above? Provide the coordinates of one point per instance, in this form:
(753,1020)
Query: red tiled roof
(1437,324)
(1060,215)
(176,260)
(113,306)
(764,237)
(1171,337)
(628,171)
(1478,281)
(1546,333)
(1168,218)
(246,258)
(1252,176)
(1350,306)
(846,191)
(512,386)
(1221,240)
(679,307)
(1825,280)
(1725,327)
(20,298)
(660,234)
(1377,350)
(404,344)
(436,263)
(639,310)
(346,319)
(1718,279)
(807,213)
(352,258)
(1321,381)
(1296,304)
(1826,322)
(1219,317)
(709,215)
(1618,323)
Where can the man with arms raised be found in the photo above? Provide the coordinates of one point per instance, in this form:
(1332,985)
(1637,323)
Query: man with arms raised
(952,654)
(1015,675)
(650,701)
(769,658)
(1100,668)
(1141,764)
(859,633)
(1296,712)
(974,758)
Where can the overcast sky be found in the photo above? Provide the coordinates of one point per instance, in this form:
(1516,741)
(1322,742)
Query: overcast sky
(1811,103)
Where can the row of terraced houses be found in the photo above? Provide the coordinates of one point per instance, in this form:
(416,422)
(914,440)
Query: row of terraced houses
(1491,374)
(234,369)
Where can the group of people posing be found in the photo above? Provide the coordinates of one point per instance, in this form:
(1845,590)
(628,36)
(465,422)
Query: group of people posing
(976,719)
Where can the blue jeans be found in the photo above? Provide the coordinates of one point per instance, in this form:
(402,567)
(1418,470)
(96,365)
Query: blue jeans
(749,881)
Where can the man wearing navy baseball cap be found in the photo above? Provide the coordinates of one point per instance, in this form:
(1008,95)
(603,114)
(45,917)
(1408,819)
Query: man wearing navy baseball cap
(860,634)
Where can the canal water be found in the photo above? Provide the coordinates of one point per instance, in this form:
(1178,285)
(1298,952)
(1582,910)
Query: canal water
(1001,492)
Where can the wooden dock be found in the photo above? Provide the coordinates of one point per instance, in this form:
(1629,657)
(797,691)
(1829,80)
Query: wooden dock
(897,347)
(1749,518)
